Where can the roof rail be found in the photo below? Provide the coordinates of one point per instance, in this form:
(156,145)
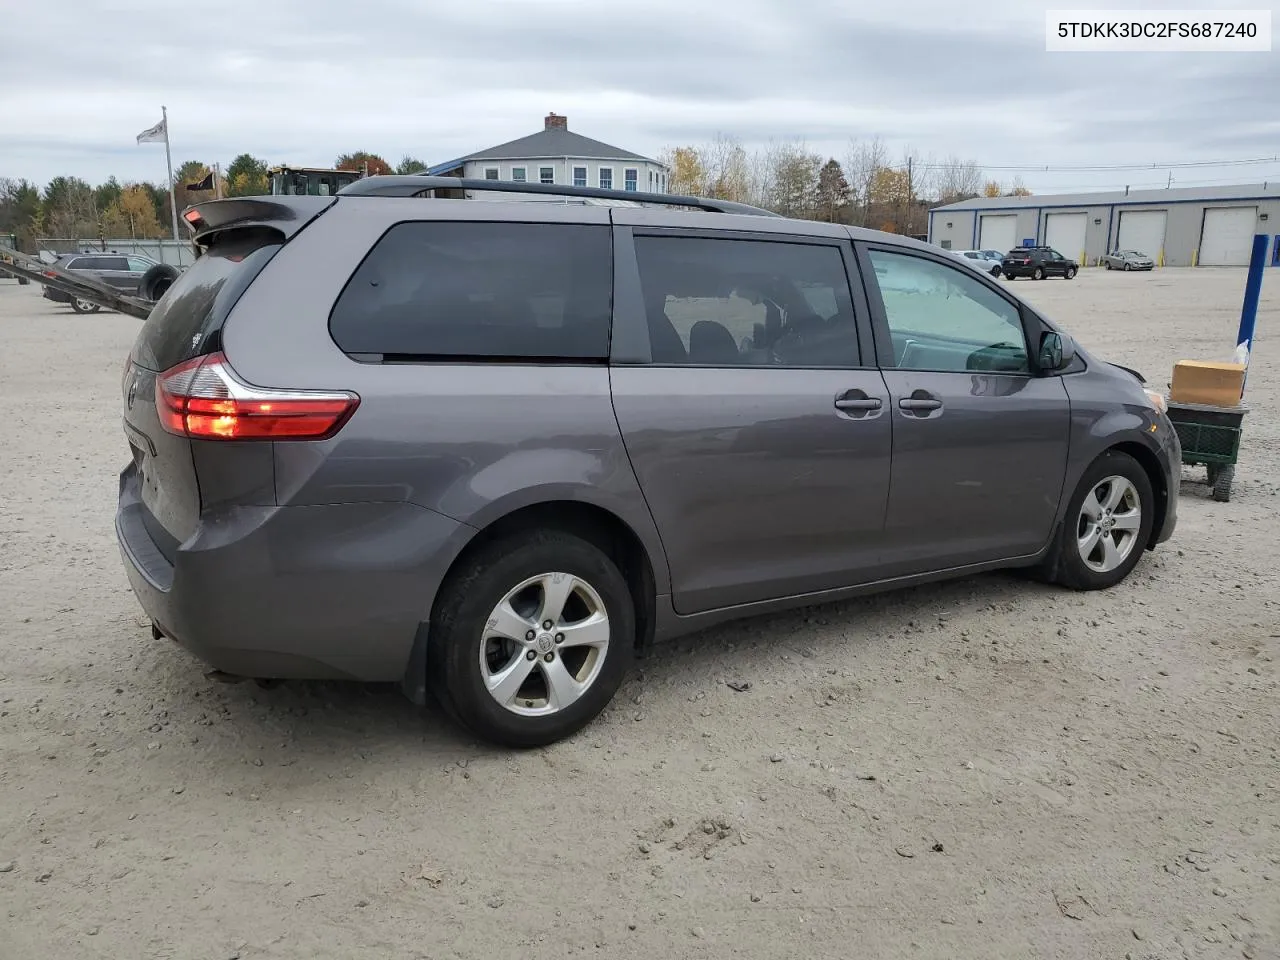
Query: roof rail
(416,185)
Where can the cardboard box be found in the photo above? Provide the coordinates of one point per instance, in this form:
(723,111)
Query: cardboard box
(1207,382)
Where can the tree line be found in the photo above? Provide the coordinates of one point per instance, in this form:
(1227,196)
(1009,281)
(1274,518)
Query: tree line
(865,187)
(72,208)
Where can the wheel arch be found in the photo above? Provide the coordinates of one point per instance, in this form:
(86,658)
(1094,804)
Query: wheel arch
(593,522)
(1150,464)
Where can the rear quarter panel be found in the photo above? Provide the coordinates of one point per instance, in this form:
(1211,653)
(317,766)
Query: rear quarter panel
(470,441)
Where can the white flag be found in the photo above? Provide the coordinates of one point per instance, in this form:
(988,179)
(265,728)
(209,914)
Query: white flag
(156,134)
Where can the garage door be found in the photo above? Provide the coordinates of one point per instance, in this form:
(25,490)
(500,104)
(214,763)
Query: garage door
(998,232)
(1142,230)
(1227,239)
(1065,233)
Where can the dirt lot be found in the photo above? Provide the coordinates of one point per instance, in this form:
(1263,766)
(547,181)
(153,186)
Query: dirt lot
(985,769)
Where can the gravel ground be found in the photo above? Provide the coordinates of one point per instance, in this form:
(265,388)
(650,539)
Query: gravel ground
(989,768)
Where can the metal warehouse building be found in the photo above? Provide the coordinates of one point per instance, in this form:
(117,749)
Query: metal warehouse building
(1179,227)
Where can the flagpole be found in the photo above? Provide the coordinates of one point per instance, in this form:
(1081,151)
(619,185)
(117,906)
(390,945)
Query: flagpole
(168,159)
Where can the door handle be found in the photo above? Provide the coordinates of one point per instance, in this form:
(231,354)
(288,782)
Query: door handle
(857,403)
(919,403)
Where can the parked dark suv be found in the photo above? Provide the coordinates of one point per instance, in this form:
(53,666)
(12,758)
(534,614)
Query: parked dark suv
(133,275)
(1037,263)
(490,449)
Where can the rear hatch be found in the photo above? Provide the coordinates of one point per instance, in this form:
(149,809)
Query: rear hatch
(177,476)
(185,324)
(1017,256)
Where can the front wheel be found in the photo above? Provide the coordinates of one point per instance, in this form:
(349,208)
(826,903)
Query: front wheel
(1108,524)
(1037,273)
(1128,266)
(84,306)
(1107,264)
(531,638)
(1071,272)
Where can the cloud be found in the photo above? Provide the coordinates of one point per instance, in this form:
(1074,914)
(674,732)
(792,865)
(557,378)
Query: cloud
(301,81)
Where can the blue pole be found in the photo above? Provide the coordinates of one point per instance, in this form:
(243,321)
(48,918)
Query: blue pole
(1252,294)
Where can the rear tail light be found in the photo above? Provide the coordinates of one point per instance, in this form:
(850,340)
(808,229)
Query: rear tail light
(205,400)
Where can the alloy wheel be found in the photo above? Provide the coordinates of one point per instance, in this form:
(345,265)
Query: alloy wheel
(544,644)
(1108,525)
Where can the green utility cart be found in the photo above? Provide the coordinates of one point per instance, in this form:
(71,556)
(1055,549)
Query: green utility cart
(1210,436)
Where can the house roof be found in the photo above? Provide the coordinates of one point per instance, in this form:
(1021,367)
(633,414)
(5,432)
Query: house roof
(1239,191)
(554,142)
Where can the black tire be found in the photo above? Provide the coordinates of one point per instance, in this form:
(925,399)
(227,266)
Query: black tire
(1071,272)
(84,306)
(469,596)
(995,271)
(156,281)
(1221,481)
(1127,266)
(1037,273)
(23,281)
(1107,264)
(1069,567)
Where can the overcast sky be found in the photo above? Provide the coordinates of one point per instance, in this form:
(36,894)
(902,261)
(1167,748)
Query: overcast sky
(300,81)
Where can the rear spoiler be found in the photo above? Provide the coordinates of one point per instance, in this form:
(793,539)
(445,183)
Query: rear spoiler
(286,215)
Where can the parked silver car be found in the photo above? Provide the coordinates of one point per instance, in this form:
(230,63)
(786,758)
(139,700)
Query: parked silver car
(1127,260)
(988,261)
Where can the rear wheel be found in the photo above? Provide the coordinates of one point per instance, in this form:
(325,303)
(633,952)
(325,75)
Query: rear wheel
(531,638)
(84,306)
(1107,526)
(995,271)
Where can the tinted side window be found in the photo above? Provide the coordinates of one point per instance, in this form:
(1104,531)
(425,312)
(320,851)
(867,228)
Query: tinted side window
(756,302)
(84,263)
(113,263)
(943,318)
(537,291)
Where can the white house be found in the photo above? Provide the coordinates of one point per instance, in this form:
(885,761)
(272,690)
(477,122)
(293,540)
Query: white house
(557,155)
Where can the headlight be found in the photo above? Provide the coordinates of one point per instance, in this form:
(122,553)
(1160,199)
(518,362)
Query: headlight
(1157,400)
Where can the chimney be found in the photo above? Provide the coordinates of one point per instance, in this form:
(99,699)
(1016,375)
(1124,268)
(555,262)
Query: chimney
(554,121)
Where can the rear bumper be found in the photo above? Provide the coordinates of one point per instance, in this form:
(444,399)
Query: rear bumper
(310,592)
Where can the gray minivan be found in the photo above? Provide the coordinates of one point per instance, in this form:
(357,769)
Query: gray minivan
(492,449)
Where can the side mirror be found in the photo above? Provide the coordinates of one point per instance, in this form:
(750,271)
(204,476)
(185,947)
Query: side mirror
(1057,350)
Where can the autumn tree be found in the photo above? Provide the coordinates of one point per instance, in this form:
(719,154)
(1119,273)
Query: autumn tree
(1017,189)
(727,170)
(69,209)
(133,215)
(793,179)
(247,177)
(991,189)
(957,180)
(410,165)
(863,159)
(833,193)
(688,174)
(356,162)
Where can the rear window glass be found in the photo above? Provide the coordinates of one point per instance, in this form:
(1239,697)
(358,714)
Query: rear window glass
(538,291)
(182,324)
